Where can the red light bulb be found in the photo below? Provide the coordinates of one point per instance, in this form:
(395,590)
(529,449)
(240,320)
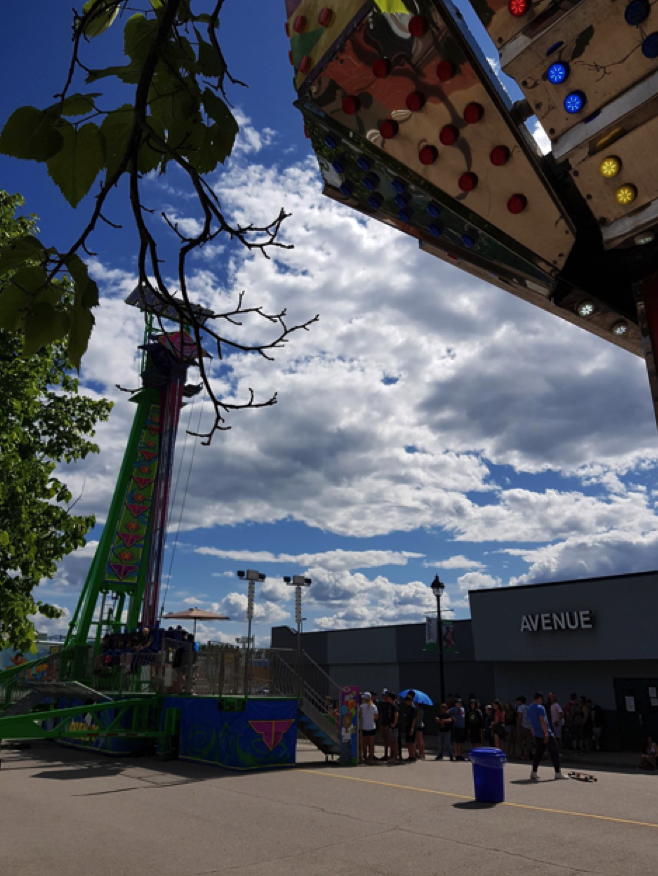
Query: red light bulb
(305,64)
(381,68)
(428,155)
(290,58)
(417,26)
(445,70)
(325,16)
(351,105)
(518,7)
(415,101)
(287,29)
(468,181)
(300,24)
(449,135)
(499,155)
(388,129)
(517,204)
(473,113)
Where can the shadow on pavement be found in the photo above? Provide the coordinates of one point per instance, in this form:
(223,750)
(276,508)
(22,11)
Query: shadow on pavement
(474,804)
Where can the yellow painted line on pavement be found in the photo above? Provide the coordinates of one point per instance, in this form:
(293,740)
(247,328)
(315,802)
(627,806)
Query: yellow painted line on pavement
(464,797)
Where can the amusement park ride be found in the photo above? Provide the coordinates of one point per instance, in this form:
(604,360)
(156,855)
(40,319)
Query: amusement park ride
(411,126)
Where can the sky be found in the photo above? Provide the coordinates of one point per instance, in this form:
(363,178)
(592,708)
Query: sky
(428,424)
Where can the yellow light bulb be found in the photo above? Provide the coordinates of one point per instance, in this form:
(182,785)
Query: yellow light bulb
(626,194)
(610,167)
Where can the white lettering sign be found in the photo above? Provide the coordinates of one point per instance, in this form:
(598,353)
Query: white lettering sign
(562,620)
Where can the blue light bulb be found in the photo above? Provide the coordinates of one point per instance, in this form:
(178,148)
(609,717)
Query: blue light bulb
(371,182)
(650,46)
(557,73)
(435,229)
(338,166)
(403,216)
(433,210)
(346,189)
(364,164)
(330,141)
(375,202)
(401,201)
(468,241)
(574,102)
(398,185)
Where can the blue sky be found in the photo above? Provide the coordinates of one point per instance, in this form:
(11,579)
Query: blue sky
(429,423)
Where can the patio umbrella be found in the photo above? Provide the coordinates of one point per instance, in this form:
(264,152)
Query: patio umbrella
(195,614)
(420,697)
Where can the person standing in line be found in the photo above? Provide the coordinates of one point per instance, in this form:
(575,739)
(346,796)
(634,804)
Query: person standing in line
(385,709)
(459,727)
(556,715)
(394,726)
(474,723)
(498,725)
(368,727)
(568,721)
(488,721)
(523,728)
(597,726)
(420,727)
(445,721)
(411,715)
(544,739)
(510,729)
(577,720)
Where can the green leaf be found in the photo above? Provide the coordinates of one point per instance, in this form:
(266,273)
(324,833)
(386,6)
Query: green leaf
(157,4)
(150,156)
(227,126)
(129,73)
(138,36)
(29,134)
(116,130)
(102,18)
(582,42)
(210,63)
(82,324)
(19,251)
(85,288)
(78,104)
(78,163)
(44,325)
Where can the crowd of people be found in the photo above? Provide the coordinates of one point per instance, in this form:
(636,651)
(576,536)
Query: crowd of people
(521,730)
(138,647)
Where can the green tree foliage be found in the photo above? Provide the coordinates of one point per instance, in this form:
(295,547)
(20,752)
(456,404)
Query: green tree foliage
(43,421)
(179,115)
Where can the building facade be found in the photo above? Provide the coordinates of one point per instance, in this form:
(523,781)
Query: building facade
(595,637)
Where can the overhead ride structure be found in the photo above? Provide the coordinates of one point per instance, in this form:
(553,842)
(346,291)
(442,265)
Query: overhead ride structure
(411,125)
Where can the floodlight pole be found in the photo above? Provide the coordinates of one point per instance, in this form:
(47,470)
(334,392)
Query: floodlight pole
(252,576)
(298,581)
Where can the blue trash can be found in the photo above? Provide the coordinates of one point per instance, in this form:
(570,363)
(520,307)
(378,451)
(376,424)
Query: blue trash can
(488,774)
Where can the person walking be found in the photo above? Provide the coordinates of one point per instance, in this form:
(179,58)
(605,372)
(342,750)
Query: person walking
(544,738)
(445,721)
(459,727)
(368,727)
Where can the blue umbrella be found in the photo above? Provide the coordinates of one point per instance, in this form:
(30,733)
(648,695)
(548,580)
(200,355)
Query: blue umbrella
(420,697)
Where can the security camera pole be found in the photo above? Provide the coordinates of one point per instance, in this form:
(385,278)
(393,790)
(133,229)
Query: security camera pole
(252,576)
(298,581)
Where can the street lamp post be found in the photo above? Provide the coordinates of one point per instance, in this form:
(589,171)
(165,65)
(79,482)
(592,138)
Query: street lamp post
(252,576)
(437,589)
(298,581)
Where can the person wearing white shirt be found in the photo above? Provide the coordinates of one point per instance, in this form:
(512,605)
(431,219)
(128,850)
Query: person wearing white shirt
(369,715)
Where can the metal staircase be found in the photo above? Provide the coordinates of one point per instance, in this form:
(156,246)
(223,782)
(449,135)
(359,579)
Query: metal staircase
(294,673)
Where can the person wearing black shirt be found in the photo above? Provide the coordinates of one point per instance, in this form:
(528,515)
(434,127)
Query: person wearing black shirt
(411,714)
(474,723)
(445,721)
(385,708)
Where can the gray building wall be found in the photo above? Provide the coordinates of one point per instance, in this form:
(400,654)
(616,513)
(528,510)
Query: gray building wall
(625,610)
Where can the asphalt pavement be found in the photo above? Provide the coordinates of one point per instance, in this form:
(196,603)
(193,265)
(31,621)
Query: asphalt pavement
(66,812)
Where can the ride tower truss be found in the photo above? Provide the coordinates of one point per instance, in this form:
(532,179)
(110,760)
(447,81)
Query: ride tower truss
(127,564)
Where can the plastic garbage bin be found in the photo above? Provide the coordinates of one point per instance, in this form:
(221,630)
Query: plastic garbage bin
(488,774)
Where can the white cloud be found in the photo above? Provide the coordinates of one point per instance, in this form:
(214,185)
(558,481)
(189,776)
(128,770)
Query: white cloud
(457,562)
(477,581)
(336,559)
